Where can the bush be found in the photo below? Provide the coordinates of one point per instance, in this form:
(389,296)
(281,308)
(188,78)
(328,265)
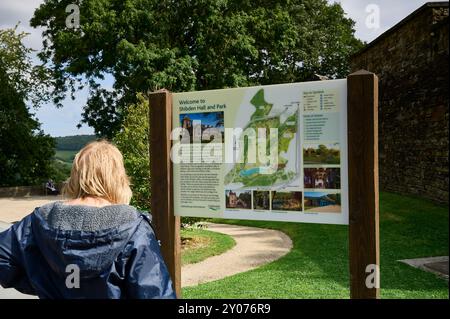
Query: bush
(60,171)
(132,140)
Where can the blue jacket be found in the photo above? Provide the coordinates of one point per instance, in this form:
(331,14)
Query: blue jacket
(62,251)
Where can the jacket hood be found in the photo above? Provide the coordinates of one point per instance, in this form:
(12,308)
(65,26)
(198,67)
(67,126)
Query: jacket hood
(89,237)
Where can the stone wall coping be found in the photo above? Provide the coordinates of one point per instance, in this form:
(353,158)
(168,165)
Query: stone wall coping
(411,16)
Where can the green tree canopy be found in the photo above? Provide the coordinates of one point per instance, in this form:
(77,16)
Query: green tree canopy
(188,44)
(73,142)
(25,151)
(33,82)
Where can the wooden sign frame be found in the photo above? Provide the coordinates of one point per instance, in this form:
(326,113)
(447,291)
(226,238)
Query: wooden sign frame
(362,122)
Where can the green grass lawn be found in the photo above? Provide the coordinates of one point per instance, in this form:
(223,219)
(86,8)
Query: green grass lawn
(202,244)
(317,266)
(321,159)
(65,156)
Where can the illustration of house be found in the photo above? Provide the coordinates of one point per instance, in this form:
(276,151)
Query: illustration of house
(232,200)
(187,123)
(235,202)
(315,178)
(322,178)
(319,201)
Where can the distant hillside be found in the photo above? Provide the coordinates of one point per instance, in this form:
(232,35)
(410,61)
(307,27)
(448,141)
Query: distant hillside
(73,143)
(66,149)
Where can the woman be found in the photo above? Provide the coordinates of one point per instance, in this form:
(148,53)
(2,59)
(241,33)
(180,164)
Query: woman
(94,245)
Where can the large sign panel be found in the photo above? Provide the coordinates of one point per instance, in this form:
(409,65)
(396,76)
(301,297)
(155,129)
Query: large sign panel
(276,152)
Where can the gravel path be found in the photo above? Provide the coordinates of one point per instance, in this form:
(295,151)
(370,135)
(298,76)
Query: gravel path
(254,247)
(14,209)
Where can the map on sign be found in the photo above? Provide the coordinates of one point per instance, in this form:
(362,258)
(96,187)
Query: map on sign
(255,173)
(274,152)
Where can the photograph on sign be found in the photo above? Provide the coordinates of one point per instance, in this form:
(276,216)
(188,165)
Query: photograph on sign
(276,152)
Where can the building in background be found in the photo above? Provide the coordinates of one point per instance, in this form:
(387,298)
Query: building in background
(411,61)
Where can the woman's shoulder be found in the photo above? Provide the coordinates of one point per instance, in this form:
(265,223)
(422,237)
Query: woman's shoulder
(145,228)
(145,215)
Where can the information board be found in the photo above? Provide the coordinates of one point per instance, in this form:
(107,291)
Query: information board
(275,152)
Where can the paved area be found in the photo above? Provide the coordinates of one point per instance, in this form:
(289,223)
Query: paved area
(13,294)
(13,209)
(254,248)
(436,265)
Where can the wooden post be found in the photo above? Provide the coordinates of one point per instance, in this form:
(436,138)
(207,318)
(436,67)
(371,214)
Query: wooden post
(167,226)
(364,250)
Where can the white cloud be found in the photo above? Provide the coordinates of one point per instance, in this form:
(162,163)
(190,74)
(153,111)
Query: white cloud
(13,12)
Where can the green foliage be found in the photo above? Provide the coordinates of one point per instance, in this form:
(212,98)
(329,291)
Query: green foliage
(73,143)
(186,45)
(25,151)
(31,81)
(321,155)
(60,171)
(132,140)
(65,156)
(317,266)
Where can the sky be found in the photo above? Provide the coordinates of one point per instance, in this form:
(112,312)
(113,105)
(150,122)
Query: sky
(63,121)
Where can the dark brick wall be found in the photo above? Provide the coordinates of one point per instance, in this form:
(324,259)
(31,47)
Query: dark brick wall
(411,61)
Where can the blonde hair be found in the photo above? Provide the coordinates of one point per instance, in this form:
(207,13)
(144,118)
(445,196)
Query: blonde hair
(98,170)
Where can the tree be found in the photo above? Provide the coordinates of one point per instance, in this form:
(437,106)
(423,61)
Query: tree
(60,171)
(74,142)
(322,150)
(33,82)
(25,151)
(132,140)
(188,44)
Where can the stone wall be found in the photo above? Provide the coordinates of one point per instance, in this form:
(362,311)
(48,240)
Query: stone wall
(24,191)
(21,191)
(411,61)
